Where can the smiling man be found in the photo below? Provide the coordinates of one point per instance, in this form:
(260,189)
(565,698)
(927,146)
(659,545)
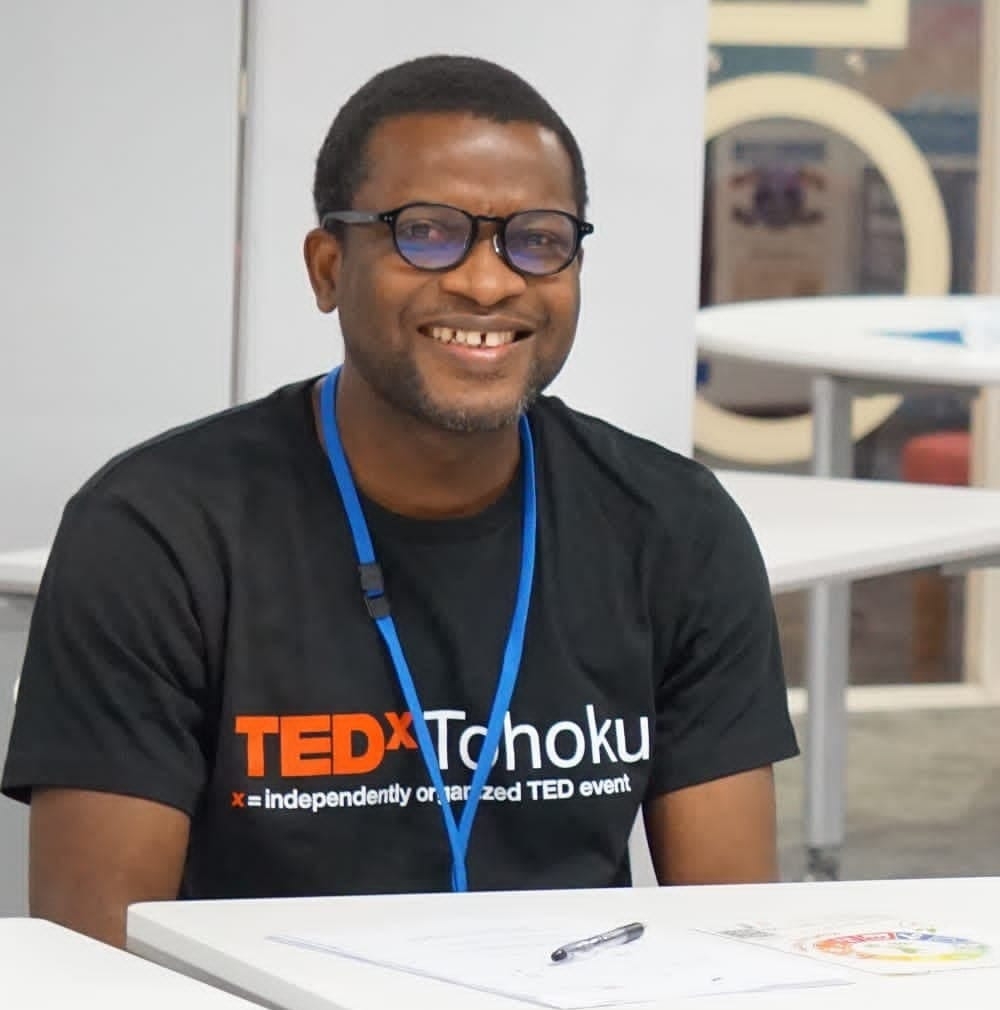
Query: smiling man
(412,625)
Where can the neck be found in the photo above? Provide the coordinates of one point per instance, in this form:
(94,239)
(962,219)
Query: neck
(413,468)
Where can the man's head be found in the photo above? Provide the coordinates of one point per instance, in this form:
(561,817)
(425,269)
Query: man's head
(469,135)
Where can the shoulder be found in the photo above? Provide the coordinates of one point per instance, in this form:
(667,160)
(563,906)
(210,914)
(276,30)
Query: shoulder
(651,478)
(209,454)
(184,496)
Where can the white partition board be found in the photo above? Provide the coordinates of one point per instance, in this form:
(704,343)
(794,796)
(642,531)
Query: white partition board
(118,190)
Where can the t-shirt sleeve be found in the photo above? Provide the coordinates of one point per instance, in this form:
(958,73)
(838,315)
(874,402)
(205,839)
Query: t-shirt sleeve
(722,704)
(109,692)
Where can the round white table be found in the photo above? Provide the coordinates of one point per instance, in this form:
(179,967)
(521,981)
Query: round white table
(857,337)
(849,345)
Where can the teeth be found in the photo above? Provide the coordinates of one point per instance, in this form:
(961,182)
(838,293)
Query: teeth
(472,338)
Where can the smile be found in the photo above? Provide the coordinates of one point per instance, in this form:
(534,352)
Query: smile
(473,338)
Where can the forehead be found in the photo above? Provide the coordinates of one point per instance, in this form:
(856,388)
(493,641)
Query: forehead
(473,163)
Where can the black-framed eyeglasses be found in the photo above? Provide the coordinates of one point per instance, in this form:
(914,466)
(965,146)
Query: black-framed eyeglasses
(436,236)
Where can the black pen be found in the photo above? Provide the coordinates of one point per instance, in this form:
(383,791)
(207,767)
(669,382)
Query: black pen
(623,934)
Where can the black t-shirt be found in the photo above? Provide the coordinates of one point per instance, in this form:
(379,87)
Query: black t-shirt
(200,639)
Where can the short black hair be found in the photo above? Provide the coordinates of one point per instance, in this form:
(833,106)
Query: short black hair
(430,84)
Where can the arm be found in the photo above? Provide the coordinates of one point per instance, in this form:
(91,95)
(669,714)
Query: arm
(722,709)
(720,832)
(109,734)
(93,854)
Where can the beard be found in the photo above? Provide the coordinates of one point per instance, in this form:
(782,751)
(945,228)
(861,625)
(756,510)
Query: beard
(397,379)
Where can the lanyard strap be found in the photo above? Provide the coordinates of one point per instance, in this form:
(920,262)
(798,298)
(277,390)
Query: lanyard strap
(373,589)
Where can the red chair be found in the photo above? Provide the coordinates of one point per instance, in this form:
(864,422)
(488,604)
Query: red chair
(940,457)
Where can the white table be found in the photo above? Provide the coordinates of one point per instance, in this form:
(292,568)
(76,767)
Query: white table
(866,528)
(841,337)
(840,342)
(21,571)
(811,531)
(227,941)
(45,967)
(814,529)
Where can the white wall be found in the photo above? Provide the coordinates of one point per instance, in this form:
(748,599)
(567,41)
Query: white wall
(118,121)
(628,77)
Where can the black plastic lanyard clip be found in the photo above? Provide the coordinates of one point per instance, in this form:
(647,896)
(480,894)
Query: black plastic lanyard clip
(373,590)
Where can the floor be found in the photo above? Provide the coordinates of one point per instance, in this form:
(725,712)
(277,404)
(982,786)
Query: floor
(923,796)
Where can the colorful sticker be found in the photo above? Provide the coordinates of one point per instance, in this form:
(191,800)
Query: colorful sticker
(919,948)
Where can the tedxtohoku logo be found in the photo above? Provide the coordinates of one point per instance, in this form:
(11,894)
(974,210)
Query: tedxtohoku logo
(357,743)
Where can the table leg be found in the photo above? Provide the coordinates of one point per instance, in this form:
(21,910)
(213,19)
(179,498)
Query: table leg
(827,654)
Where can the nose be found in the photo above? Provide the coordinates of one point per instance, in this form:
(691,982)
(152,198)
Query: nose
(483,277)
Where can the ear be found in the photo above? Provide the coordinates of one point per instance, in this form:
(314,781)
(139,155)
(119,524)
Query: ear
(323,255)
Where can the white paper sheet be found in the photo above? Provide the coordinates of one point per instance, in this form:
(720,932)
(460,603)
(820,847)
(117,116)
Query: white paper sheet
(881,944)
(512,957)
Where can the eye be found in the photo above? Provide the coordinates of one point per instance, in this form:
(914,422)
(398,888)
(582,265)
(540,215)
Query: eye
(425,230)
(538,239)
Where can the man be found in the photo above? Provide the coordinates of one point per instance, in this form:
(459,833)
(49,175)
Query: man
(409,626)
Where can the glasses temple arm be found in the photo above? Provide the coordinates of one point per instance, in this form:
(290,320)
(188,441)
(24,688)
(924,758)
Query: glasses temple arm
(351,217)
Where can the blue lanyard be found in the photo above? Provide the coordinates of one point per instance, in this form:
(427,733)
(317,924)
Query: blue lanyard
(373,589)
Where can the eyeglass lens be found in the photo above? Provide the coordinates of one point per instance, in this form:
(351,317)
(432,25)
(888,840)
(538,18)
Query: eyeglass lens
(436,238)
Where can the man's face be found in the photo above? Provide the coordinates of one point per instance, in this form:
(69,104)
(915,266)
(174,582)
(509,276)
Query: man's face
(393,315)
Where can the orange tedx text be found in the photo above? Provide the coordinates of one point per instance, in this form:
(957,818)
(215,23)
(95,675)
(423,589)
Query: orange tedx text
(351,743)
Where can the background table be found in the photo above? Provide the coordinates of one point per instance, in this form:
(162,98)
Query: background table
(844,337)
(810,531)
(46,967)
(226,941)
(841,343)
(21,571)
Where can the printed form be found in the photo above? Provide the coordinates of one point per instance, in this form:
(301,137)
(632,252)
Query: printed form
(512,958)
